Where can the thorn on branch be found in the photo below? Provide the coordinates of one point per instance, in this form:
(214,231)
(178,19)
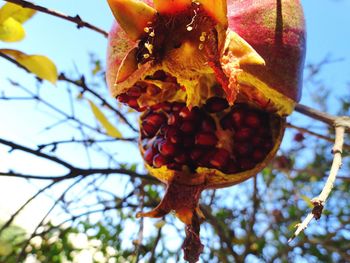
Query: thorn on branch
(79,21)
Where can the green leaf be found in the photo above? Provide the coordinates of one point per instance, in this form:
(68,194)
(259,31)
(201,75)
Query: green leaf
(107,125)
(11,30)
(17,12)
(39,65)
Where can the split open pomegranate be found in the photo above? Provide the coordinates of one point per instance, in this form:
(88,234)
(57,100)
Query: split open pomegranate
(214,81)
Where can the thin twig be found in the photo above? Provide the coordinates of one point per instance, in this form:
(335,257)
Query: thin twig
(315,114)
(38,153)
(22,254)
(86,141)
(82,84)
(73,171)
(341,124)
(74,19)
(79,83)
(14,215)
(152,258)
(323,137)
(138,241)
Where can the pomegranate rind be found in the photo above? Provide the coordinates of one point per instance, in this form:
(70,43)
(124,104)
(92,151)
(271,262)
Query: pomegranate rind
(276,30)
(132,16)
(118,45)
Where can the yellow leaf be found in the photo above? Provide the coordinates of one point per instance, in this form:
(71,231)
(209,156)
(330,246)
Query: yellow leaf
(159,223)
(110,129)
(11,30)
(39,65)
(17,12)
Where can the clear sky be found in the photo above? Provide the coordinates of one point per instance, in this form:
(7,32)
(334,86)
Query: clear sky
(328,34)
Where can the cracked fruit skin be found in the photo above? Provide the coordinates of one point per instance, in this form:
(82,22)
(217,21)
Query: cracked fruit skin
(214,81)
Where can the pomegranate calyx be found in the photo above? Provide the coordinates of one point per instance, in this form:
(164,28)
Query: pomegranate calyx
(180,198)
(133,16)
(183,200)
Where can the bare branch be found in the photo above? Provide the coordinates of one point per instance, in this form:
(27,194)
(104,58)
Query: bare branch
(14,215)
(323,137)
(341,124)
(74,19)
(315,114)
(82,84)
(15,146)
(22,254)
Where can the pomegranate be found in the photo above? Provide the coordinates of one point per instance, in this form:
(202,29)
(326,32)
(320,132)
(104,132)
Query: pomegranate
(214,81)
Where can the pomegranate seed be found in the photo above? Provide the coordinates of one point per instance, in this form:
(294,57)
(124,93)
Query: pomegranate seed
(159,75)
(220,158)
(188,141)
(208,124)
(149,154)
(231,167)
(173,135)
(187,127)
(243,149)
(173,119)
(175,166)
(181,158)
(243,134)
(177,106)
(257,141)
(252,120)
(205,160)
(193,114)
(167,148)
(226,122)
(258,155)
(124,98)
(157,106)
(170,79)
(196,153)
(166,106)
(148,130)
(159,160)
(238,117)
(267,145)
(246,164)
(185,113)
(133,103)
(153,90)
(216,104)
(134,91)
(206,139)
(155,119)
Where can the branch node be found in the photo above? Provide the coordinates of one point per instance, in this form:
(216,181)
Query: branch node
(318,207)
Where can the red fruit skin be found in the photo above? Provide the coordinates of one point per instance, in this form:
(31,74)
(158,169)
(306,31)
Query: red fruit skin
(276,30)
(118,46)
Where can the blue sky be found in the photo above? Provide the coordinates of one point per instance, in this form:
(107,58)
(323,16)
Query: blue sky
(328,34)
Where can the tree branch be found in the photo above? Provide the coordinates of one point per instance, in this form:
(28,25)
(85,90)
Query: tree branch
(341,124)
(82,84)
(73,171)
(323,137)
(15,146)
(315,114)
(74,19)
